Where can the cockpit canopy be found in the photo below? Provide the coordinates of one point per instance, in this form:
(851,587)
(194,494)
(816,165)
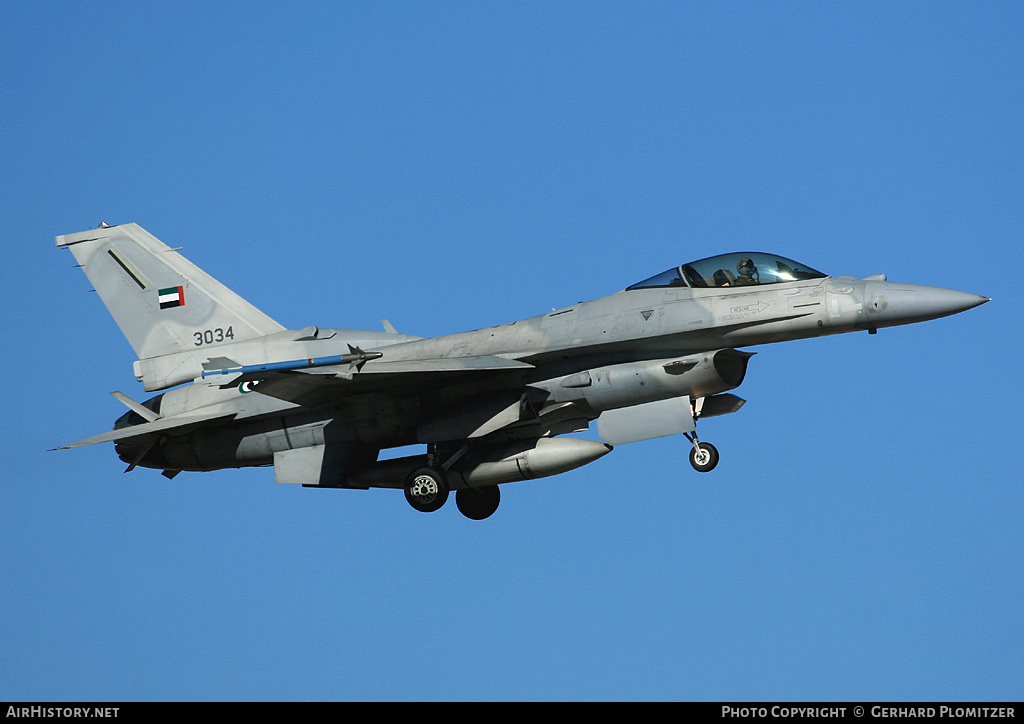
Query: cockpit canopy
(743,268)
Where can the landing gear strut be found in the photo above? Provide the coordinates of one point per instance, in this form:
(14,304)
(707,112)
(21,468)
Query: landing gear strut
(703,455)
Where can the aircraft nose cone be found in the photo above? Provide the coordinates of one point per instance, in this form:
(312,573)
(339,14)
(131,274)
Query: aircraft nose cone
(936,302)
(905,303)
(962,301)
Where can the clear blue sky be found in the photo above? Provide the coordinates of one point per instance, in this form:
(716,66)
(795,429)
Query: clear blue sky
(450,165)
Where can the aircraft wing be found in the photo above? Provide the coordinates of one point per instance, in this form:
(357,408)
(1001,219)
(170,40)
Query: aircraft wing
(176,424)
(449,366)
(324,384)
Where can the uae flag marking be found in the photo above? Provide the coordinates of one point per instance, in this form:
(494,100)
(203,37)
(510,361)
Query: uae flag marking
(172,297)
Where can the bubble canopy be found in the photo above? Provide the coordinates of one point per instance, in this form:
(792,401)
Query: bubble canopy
(742,268)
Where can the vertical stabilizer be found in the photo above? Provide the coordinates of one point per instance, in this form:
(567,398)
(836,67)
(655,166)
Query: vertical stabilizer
(163,303)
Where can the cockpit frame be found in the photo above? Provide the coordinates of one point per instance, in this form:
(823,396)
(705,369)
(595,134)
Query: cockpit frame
(742,268)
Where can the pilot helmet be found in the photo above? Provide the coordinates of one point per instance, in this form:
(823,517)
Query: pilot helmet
(745,263)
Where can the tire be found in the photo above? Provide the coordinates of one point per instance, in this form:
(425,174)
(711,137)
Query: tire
(426,489)
(706,461)
(479,503)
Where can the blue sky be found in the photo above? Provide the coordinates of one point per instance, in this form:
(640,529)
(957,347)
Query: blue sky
(449,166)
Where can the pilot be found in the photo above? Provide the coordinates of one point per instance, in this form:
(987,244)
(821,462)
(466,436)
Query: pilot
(747,272)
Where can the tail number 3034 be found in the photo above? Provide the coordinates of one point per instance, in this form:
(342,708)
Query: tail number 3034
(213,336)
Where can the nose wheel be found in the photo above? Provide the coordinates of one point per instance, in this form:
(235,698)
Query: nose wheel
(703,455)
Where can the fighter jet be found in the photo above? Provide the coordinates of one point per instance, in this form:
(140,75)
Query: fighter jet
(491,406)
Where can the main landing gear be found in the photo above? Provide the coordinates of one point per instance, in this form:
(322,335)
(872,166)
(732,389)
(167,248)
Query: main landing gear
(478,503)
(427,490)
(703,455)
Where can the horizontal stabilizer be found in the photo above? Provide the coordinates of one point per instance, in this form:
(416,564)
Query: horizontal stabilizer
(176,424)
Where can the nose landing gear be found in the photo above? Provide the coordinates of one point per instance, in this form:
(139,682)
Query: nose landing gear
(704,455)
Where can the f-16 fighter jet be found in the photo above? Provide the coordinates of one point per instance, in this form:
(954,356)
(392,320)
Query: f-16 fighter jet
(490,406)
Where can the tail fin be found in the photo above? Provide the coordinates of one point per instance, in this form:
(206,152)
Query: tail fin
(163,303)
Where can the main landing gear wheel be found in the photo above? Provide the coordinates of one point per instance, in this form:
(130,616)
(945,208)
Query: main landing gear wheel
(703,457)
(478,503)
(426,489)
